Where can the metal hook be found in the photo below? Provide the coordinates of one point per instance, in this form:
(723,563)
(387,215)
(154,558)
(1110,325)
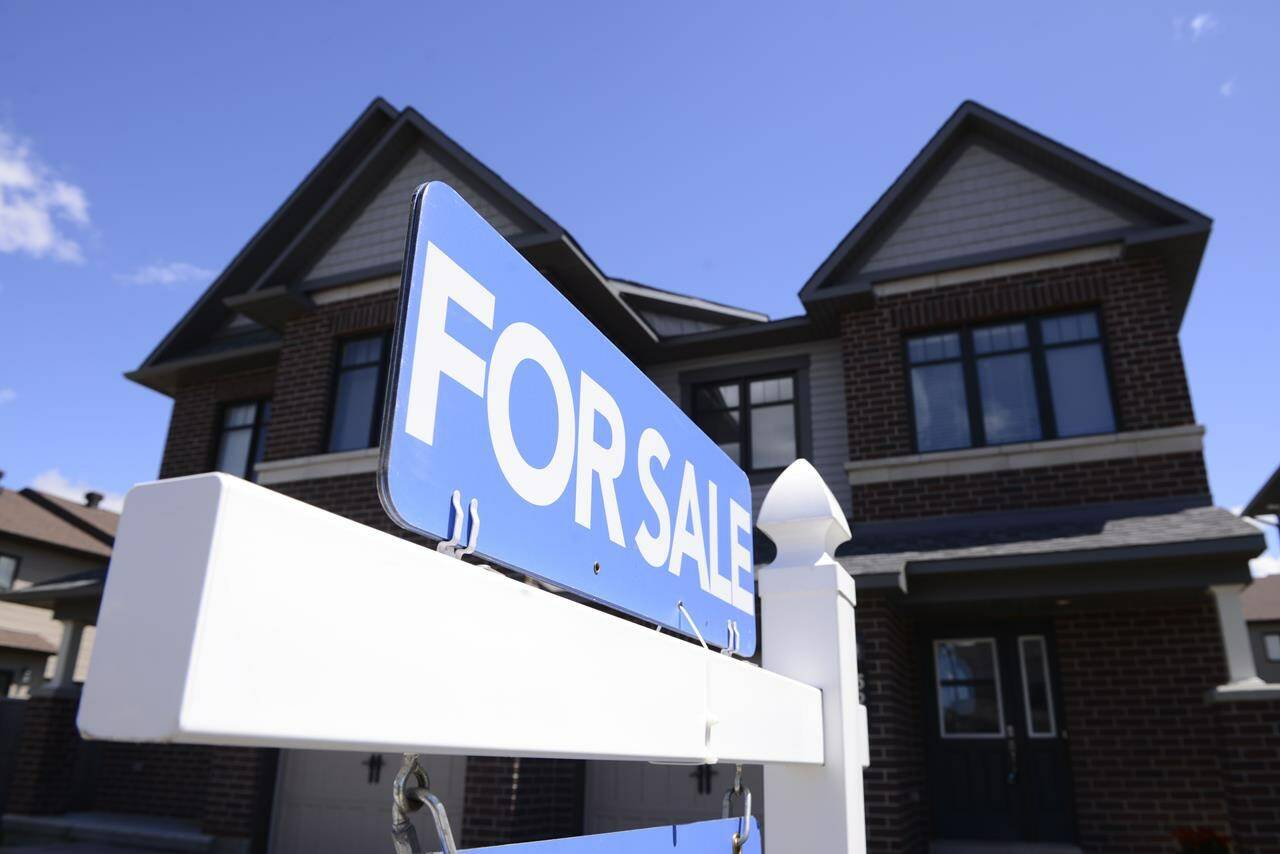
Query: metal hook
(450,546)
(473,535)
(739,788)
(406,799)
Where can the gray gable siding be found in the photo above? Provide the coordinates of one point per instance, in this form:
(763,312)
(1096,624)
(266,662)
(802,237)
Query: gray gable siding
(826,397)
(986,202)
(668,325)
(376,235)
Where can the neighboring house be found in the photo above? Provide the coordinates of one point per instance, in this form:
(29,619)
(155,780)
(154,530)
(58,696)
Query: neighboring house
(1262,599)
(45,539)
(988,375)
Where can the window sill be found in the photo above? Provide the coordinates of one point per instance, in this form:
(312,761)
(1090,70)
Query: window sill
(1249,690)
(363,461)
(1025,455)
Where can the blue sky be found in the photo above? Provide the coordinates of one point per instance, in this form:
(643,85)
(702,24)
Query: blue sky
(717,148)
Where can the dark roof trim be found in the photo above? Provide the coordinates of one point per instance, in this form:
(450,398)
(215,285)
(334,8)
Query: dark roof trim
(371,123)
(1267,500)
(774,333)
(166,376)
(487,175)
(971,115)
(67,516)
(863,284)
(272,307)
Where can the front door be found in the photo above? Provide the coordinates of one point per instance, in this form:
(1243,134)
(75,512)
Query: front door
(997,763)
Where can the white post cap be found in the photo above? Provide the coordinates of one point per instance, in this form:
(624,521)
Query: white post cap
(802,517)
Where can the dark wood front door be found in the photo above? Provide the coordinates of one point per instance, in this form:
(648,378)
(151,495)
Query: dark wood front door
(997,763)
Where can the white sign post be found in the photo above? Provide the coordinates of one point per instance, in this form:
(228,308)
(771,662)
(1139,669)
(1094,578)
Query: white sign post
(807,602)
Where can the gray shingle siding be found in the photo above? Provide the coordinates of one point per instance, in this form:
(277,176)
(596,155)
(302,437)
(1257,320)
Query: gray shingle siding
(826,396)
(668,325)
(986,202)
(376,235)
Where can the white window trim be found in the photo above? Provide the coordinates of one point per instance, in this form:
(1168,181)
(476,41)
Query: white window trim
(937,691)
(361,461)
(1026,688)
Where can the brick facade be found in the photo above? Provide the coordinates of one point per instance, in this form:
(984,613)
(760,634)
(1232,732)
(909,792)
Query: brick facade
(1249,745)
(521,800)
(897,815)
(1145,359)
(1159,476)
(1143,745)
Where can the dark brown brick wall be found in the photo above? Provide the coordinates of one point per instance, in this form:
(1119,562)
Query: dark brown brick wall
(237,797)
(1144,749)
(1146,368)
(193,424)
(47,752)
(151,779)
(1159,476)
(300,409)
(521,800)
(894,784)
(1249,741)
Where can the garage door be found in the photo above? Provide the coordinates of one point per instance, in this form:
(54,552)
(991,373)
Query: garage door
(331,802)
(630,795)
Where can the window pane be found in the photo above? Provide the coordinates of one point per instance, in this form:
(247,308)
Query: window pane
(1037,695)
(260,448)
(362,351)
(1009,408)
(8,571)
(942,412)
(997,339)
(775,390)
(1073,327)
(240,415)
(1078,382)
(725,429)
(353,409)
(966,659)
(773,436)
(970,709)
(931,348)
(968,687)
(233,451)
(716,397)
(1273,647)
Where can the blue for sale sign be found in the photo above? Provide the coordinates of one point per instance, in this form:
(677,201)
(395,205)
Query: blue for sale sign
(586,475)
(703,837)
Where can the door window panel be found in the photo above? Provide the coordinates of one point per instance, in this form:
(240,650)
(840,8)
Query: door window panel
(968,686)
(1037,693)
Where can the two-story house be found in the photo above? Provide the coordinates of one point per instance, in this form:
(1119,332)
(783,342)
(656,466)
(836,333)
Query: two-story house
(988,375)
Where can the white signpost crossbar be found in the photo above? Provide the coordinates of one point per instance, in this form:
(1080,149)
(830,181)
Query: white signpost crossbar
(232,611)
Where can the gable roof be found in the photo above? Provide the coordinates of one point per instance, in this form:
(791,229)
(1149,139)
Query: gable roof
(1144,220)
(1268,498)
(269,278)
(46,519)
(1261,599)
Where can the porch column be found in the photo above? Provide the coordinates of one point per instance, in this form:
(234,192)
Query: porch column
(64,673)
(1242,673)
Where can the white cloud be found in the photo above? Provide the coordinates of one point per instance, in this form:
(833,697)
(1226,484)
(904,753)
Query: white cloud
(36,206)
(1228,89)
(166,273)
(7,395)
(1267,563)
(56,483)
(1202,24)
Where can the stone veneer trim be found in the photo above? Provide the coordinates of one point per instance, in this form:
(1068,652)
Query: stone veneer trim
(1024,455)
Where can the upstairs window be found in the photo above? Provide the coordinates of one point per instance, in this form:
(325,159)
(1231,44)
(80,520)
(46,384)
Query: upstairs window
(242,438)
(8,573)
(358,393)
(1010,382)
(753,420)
